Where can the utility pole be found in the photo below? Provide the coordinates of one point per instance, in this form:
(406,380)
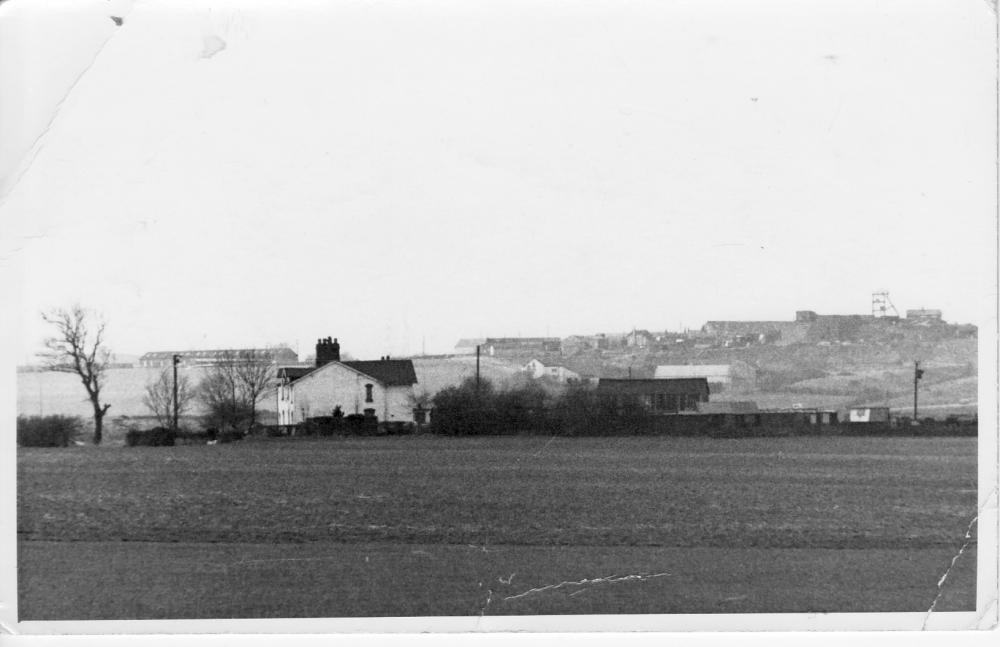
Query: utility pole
(177,360)
(477,370)
(918,373)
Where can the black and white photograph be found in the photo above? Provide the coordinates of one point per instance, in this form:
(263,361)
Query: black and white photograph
(495,316)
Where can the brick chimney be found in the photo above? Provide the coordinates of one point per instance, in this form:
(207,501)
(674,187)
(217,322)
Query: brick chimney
(327,350)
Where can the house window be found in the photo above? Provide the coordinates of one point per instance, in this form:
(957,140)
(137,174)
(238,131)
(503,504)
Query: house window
(368,393)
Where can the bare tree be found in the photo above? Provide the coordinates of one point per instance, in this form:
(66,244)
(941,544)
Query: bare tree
(420,397)
(219,392)
(255,372)
(78,347)
(235,385)
(159,397)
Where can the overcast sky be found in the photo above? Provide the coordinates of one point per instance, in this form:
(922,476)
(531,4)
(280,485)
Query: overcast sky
(402,174)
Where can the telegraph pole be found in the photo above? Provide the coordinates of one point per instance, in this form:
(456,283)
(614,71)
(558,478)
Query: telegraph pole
(177,360)
(477,369)
(918,373)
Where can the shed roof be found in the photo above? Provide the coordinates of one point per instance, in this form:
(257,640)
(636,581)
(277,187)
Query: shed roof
(693,370)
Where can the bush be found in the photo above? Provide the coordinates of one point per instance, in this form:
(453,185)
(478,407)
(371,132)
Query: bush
(187,437)
(398,428)
(156,437)
(359,424)
(471,410)
(230,435)
(324,425)
(465,409)
(48,431)
(578,411)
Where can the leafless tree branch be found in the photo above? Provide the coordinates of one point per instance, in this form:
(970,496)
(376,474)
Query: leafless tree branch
(75,349)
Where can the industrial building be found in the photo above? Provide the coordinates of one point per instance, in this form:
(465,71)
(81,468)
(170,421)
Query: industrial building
(158,359)
(512,345)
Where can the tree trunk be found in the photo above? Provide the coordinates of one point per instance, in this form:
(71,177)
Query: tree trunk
(98,427)
(99,422)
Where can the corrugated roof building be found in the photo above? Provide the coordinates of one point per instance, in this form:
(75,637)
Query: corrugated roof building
(158,359)
(655,396)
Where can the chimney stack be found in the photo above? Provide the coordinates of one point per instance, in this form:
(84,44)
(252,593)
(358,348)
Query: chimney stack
(327,350)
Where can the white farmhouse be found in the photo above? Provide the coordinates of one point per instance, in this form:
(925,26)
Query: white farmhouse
(382,388)
(561,374)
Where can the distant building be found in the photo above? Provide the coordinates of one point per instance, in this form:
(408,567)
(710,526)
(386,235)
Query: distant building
(381,388)
(513,345)
(468,346)
(639,339)
(807,327)
(721,377)
(746,333)
(868,414)
(159,359)
(539,370)
(923,315)
(823,417)
(575,343)
(655,396)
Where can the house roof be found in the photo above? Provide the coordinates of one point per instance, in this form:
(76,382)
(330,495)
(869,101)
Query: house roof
(295,372)
(638,387)
(693,370)
(468,343)
(390,372)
